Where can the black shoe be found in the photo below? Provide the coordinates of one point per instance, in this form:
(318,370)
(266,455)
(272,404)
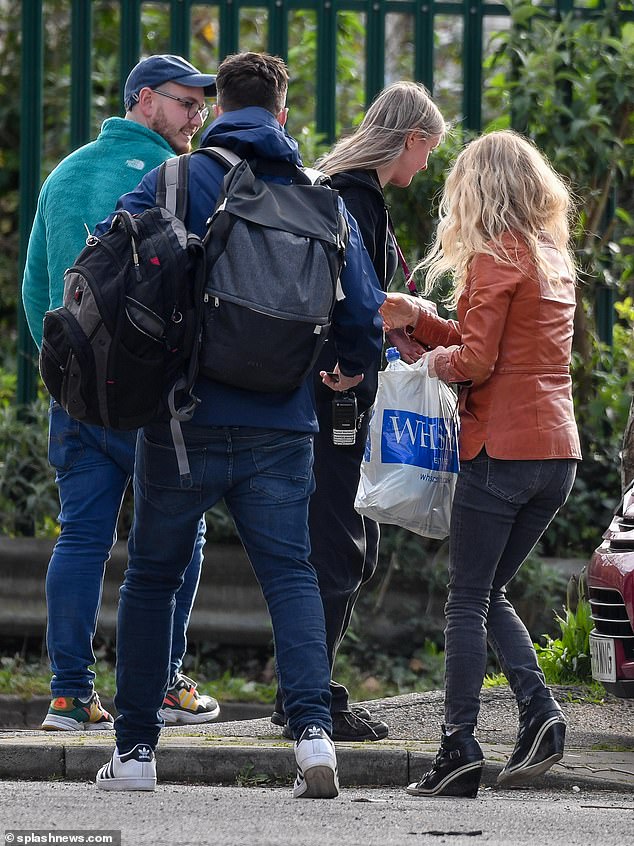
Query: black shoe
(457,769)
(351,726)
(278,718)
(540,741)
(354,724)
(360,711)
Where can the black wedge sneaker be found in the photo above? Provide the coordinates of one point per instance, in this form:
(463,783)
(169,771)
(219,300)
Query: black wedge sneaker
(540,741)
(457,768)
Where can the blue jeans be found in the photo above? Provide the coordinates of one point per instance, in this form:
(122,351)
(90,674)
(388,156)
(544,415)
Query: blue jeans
(93,467)
(500,510)
(265,478)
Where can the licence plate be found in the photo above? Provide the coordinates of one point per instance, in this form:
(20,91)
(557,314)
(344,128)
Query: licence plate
(602,658)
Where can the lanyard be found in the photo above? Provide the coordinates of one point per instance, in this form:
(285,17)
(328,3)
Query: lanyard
(408,275)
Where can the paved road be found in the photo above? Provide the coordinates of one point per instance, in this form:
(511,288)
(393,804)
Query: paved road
(229,816)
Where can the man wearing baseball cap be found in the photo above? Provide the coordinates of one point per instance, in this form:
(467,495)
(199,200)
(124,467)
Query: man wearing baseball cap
(164,92)
(165,107)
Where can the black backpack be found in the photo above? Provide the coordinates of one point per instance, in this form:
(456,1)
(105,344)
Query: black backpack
(121,346)
(274,255)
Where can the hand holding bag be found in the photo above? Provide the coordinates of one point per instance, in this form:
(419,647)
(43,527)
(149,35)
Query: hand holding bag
(410,465)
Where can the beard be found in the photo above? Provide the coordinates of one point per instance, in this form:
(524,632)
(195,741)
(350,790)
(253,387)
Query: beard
(172,133)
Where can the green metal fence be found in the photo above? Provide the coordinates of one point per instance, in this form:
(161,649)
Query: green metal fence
(229,16)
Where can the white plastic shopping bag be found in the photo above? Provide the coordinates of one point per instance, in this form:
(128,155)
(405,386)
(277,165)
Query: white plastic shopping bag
(410,466)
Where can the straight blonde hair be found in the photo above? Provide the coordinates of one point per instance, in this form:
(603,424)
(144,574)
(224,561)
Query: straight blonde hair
(500,190)
(399,109)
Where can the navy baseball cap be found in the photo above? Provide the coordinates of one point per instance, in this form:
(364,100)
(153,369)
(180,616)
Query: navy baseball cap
(155,70)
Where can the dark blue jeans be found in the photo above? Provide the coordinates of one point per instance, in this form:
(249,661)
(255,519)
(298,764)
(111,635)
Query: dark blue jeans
(93,467)
(500,510)
(265,478)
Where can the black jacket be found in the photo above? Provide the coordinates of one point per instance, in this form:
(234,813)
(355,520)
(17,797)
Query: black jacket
(361,192)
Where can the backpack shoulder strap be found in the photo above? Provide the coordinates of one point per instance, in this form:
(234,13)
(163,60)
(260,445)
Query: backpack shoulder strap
(316,176)
(172,185)
(230,159)
(221,154)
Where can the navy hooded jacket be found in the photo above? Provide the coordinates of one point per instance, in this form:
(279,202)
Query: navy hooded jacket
(357,327)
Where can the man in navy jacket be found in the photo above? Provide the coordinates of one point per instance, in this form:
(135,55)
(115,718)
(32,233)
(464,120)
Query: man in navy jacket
(253,450)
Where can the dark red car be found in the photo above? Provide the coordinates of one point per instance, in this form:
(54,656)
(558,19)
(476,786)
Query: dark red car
(611,594)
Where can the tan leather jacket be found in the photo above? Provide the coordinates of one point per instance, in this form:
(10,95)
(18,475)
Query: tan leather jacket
(510,352)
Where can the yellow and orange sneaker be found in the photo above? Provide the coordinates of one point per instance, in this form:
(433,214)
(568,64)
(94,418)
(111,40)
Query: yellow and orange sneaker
(67,713)
(183,705)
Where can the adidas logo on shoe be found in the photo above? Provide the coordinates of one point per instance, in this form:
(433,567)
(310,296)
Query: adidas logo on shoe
(317,776)
(144,753)
(134,770)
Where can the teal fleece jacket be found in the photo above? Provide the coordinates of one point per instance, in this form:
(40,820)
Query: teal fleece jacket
(82,190)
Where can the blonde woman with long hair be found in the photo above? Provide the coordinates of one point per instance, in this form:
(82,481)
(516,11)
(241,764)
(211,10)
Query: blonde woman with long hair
(393,142)
(503,237)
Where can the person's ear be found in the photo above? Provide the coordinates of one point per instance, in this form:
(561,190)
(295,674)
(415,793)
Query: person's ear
(145,101)
(217,110)
(283,116)
(409,140)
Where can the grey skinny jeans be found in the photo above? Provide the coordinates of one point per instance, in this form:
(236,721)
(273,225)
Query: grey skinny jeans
(501,509)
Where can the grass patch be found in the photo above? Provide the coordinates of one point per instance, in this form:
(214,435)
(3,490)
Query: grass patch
(495,680)
(591,692)
(610,747)
(231,688)
(21,677)
(24,678)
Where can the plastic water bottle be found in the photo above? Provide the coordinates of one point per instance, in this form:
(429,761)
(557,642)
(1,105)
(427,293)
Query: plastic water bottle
(393,358)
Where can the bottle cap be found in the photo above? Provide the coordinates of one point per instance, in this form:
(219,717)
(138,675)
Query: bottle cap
(392,354)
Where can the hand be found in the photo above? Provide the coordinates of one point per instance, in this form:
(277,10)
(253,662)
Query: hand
(399,310)
(430,358)
(409,348)
(336,380)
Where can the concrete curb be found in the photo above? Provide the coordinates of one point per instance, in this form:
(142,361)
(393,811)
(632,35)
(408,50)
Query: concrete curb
(184,759)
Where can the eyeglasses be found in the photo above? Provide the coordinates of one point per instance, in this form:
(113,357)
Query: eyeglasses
(192,107)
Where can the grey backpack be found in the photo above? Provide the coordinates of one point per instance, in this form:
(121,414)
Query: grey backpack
(274,251)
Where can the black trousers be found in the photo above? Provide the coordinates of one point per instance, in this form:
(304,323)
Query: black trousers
(344,545)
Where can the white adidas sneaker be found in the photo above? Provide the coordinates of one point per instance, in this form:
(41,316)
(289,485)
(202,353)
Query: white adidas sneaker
(135,770)
(316,765)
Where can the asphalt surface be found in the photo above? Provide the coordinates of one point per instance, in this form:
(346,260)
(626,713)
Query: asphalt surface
(599,747)
(214,815)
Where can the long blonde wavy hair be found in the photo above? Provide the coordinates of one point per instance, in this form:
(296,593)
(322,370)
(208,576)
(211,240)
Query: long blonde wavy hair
(397,110)
(500,185)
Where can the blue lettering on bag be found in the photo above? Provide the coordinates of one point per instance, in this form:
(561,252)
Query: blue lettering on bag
(409,438)
(367,451)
